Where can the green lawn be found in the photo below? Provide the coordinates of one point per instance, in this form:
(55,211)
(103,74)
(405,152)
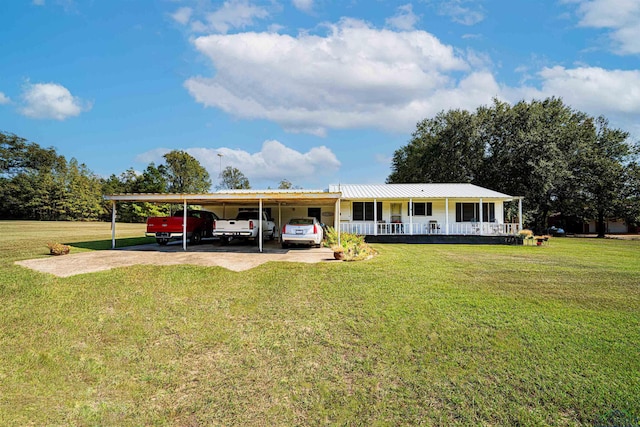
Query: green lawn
(421,334)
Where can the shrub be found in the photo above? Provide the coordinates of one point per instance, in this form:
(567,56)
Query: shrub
(58,248)
(526,234)
(353,245)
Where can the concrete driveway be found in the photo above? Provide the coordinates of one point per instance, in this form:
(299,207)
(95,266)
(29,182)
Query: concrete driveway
(237,256)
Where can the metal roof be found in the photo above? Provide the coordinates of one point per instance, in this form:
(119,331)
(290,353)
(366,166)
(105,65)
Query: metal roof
(344,191)
(231,196)
(416,191)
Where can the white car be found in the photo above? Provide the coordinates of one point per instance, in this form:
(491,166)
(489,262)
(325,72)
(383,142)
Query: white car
(302,231)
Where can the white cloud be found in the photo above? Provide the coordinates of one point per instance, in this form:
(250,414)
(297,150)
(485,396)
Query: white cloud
(594,89)
(303,5)
(154,155)
(465,12)
(38,2)
(355,76)
(273,162)
(621,17)
(182,15)
(404,19)
(232,14)
(51,101)
(4,99)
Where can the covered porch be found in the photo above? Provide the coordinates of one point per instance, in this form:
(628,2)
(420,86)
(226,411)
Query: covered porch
(456,229)
(405,210)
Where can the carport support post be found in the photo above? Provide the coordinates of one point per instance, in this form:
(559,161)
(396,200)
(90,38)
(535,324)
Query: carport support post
(113,224)
(260,226)
(280,220)
(336,219)
(184,224)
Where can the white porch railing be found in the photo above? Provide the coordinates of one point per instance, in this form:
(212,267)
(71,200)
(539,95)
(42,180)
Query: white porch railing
(456,228)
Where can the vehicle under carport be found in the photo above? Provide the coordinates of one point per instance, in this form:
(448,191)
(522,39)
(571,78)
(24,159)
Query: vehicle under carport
(227,201)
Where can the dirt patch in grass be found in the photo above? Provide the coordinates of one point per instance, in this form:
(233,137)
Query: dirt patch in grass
(234,257)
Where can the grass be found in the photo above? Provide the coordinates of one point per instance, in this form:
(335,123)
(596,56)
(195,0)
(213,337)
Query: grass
(421,334)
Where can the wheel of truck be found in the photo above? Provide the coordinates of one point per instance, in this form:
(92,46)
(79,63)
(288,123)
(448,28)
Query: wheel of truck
(196,237)
(162,242)
(273,234)
(285,245)
(224,240)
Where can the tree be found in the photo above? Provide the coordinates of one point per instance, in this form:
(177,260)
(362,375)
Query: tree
(561,160)
(603,176)
(631,194)
(184,174)
(83,192)
(285,184)
(443,149)
(233,179)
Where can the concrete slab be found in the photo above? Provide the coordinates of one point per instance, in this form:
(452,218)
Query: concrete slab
(237,256)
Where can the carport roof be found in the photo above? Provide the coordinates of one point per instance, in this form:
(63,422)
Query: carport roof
(230,196)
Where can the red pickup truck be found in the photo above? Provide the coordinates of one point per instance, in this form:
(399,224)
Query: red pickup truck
(166,228)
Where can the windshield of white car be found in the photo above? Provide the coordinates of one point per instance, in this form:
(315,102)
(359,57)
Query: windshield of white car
(301,221)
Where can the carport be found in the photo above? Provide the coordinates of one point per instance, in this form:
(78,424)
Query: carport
(232,198)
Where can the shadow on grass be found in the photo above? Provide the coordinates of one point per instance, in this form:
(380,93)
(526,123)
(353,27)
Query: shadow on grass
(97,245)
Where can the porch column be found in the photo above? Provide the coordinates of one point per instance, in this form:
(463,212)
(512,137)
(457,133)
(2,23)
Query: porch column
(113,224)
(336,219)
(520,213)
(411,216)
(446,216)
(375,217)
(480,215)
(260,226)
(184,224)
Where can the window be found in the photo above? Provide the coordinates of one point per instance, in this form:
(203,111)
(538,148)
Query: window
(421,209)
(363,211)
(470,212)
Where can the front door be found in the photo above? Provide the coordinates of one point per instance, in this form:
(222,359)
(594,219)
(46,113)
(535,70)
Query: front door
(315,212)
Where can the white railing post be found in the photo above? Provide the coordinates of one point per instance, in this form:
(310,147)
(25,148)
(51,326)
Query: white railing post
(520,213)
(375,217)
(411,216)
(481,218)
(446,216)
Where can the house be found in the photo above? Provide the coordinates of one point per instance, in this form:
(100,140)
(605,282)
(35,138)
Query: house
(424,210)
(382,212)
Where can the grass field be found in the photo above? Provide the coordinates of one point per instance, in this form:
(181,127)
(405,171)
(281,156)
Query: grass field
(421,334)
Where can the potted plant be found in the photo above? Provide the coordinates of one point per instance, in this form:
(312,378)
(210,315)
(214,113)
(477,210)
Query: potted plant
(338,252)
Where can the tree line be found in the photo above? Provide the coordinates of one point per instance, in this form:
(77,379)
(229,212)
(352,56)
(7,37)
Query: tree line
(37,183)
(564,162)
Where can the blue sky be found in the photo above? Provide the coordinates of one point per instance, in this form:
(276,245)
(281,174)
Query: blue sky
(312,91)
